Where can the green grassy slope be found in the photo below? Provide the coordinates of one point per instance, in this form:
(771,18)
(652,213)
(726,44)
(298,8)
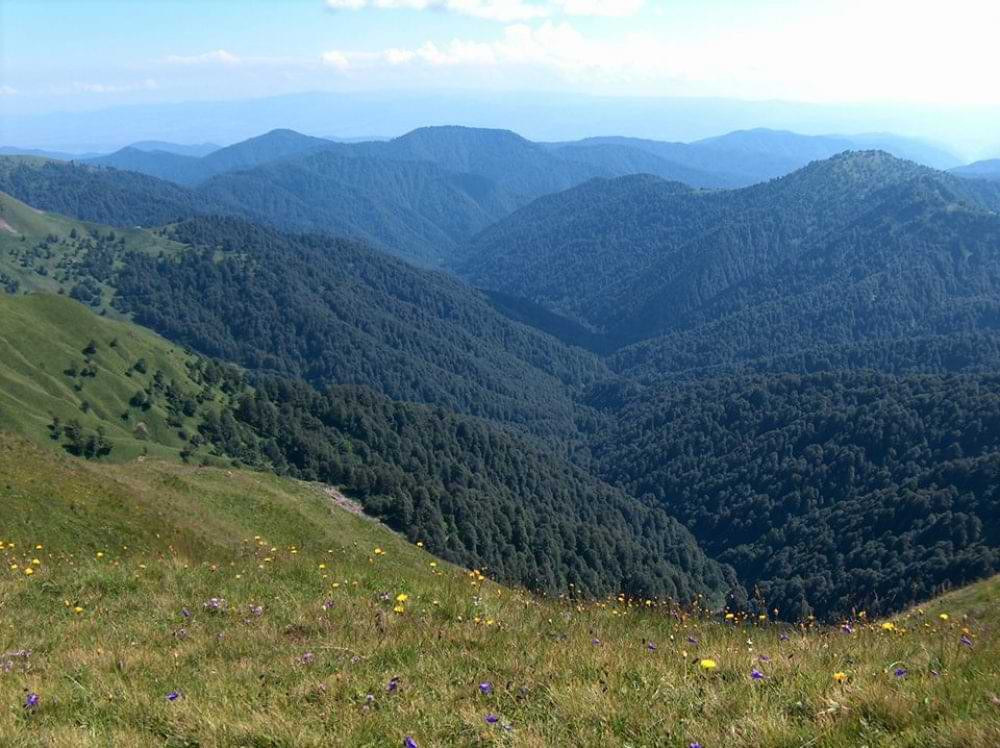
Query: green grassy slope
(43,251)
(124,550)
(43,338)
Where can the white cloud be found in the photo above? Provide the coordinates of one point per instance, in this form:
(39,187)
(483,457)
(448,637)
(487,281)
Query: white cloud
(8,91)
(336,59)
(505,11)
(218,56)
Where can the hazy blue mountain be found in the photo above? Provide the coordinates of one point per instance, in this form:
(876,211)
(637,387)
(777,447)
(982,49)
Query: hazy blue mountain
(194,149)
(989,169)
(619,159)
(9,150)
(173,167)
(415,210)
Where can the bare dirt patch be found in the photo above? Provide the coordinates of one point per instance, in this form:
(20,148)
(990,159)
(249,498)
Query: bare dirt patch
(343,502)
(7,227)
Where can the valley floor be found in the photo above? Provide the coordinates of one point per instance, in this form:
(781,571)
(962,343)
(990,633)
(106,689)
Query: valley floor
(171,605)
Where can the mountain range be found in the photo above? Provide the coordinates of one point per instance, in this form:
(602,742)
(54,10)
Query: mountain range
(632,383)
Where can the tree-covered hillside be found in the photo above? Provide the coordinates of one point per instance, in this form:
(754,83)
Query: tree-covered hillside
(826,493)
(102,195)
(473,492)
(859,247)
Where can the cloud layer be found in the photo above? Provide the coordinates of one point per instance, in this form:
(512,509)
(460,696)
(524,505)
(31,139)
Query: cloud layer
(505,11)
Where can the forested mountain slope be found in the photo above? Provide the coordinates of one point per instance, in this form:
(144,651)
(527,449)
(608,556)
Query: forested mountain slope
(415,210)
(91,193)
(325,310)
(858,247)
(826,493)
(989,169)
(472,492)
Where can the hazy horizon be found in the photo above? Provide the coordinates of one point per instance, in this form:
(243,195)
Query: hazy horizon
(548,69)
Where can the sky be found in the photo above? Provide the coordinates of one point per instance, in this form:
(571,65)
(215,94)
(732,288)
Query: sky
(71,55)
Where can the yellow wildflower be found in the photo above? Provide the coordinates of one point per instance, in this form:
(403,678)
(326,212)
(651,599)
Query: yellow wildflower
(708,664)
(840,677)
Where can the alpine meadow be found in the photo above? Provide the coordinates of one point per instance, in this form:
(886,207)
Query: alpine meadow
(514,373)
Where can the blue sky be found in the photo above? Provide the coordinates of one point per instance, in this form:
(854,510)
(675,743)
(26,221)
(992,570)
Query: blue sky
(80,54)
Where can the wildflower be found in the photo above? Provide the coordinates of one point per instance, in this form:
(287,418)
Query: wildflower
(966,640)
(783,637)
(730,616)
(847,628)
(409,742)
(764,658)
(400,609)
(31,701)
(35,562)
(694,745)
(900,672)
(486,688)
(840,677)
(393,685)
(402,597)
(78,610)
(888,626)
(708,664)
(596,642)
(692,640)
(257,610)
(173,696)
(185,613)
(327,604)
(28,571)
(943,616)
(756,674)
(492,719)
(420,544)
(214,604)
(307,658)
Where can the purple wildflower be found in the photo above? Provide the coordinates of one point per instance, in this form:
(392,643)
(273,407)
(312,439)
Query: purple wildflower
(935,673)
(651,646)
(783,637)
(214,604)
(327,605)
(393,685)
(692,640)
(596,642)
(695,745)
(409,742)
(185,613)
(847,628)
(173,696)
(257,610)
(307,658)
(764,658)
(486,688)
(492,719)
(966,640)
(756,674)
(900,672)
(31,701)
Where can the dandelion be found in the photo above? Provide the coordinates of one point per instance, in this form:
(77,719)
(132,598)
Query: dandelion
(708,664)
(943,616)
(756,674)
(173,696)
(78,610)
(402,597)
(840,677)
(888,626)
(28,571)
(400,609)
(31,701)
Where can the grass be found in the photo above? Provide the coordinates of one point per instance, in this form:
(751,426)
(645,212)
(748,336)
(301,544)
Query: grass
(43,336)
(37,265)
(313,668)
